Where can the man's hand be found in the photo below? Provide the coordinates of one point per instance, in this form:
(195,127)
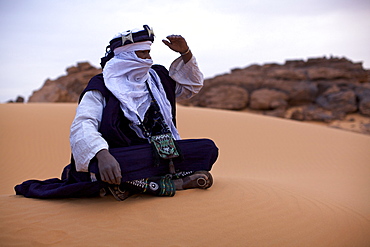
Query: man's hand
(176,43)
(109,168)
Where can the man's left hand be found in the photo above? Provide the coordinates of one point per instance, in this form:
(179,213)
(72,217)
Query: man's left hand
(176,43)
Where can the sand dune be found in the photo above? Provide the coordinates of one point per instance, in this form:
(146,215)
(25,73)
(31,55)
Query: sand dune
(277,183)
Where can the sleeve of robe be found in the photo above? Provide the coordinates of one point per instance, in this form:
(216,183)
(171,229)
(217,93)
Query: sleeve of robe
(85,139)
(188,77)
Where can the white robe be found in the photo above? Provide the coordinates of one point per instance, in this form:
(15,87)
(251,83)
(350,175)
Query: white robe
(86,141)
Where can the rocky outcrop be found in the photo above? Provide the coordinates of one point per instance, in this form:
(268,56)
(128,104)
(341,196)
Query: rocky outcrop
(327,90)
(337,100)
(228,97)
(363,95)
(19,99)
(319,89)
(66,88)
(268,99)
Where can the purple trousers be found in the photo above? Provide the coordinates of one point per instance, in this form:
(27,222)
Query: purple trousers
(136,162)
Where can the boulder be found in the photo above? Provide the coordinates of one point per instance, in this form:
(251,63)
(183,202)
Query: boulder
(229,97)
(363,95)
(268,99)
(335,99)
(364,106)
(303,92)
(314,113)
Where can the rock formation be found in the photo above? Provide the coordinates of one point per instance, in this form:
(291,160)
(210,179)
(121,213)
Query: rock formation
(319,89)
(19,99)
(66,88)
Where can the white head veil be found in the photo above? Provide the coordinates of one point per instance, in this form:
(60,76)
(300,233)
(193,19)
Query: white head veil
(125,75)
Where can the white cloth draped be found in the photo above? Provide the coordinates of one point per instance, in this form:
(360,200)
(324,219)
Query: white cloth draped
(85,139)
(125,76)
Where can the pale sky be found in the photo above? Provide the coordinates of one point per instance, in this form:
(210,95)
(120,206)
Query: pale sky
(41,38)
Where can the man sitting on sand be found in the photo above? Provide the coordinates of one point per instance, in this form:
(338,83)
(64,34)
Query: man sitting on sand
(133,103)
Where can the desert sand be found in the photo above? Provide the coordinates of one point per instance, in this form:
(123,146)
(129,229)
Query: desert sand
(277,182)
